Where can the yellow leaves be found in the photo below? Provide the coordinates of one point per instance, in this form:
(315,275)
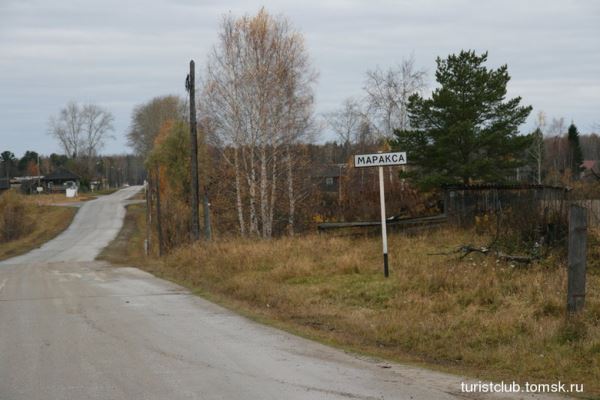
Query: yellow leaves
(483,224)
(165,130)
(318,218)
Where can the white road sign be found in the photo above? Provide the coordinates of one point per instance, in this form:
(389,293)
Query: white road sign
(379,159)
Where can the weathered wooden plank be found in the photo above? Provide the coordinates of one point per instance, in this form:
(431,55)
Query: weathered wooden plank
(577,258)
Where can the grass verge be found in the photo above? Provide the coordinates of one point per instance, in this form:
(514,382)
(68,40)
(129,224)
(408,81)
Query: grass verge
(476,316)
(128,247)
(43,224)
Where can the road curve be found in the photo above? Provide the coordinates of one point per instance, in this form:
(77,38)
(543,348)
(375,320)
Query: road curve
(74,328)
(94,226)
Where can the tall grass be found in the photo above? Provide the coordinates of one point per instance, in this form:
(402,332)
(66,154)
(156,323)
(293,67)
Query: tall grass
(15,217)
(476,315)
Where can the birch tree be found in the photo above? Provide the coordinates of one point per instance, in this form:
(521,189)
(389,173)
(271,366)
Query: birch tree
(258,94)
(97,125)
(388,92)
(346,122)
(536,150)
(82,131)
(557,130)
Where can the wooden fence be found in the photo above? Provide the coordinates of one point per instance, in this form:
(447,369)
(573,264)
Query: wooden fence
(406,225)
(463,204)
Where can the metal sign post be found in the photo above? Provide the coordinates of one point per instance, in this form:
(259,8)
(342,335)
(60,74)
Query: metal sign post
(386,270)
(380,160)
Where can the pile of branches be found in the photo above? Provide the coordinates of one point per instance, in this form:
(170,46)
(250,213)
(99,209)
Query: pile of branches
(465,250)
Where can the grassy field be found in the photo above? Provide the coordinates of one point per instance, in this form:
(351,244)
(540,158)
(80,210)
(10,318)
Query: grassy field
(477,316)
(42,222)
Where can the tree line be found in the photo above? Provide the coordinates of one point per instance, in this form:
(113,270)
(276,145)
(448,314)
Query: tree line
(108,171)
(82,132)
(30,164)
(257,127)
(259,164)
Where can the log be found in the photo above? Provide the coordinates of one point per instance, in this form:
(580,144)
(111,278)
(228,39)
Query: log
(468,249)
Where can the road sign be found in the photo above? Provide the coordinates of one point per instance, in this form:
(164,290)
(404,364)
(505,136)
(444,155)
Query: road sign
(379,159)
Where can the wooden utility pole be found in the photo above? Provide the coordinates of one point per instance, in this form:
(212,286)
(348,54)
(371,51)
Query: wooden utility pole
(158,215)
(148,188)
(190,86)
(577,258)
(206,209)
(204,177)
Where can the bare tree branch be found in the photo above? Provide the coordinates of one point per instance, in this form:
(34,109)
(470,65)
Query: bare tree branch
(81,131)
(388,92)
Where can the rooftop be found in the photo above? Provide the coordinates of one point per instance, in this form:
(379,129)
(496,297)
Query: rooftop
(589,164)
(61,174)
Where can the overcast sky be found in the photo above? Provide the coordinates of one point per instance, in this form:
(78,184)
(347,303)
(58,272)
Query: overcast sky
(120,53)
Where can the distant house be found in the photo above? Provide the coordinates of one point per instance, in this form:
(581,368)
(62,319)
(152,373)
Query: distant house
(590,170)
(26,184)
(327,178)
(60,180)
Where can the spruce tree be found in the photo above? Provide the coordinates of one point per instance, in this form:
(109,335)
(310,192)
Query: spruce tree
(467,132)
(575,152)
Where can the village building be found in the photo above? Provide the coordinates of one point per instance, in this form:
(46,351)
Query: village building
(590,170)
(60,180)
(328,177)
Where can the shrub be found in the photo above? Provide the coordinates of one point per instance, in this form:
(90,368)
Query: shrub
(15,221)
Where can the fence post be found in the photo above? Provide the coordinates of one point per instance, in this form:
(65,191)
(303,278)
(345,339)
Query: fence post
(577,258)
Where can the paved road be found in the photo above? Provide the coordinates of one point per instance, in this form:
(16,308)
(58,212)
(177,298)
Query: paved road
(74,328)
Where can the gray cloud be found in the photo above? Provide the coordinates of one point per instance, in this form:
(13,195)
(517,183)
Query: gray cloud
(121,53)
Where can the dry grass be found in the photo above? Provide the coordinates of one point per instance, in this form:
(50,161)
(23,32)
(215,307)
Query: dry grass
(42,224)
(47,199)
(475,316)
(128,246)
(58,198)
